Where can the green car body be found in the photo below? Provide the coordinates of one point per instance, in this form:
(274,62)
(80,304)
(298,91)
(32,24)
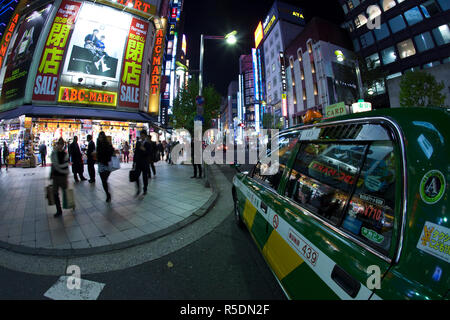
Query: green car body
(367,218)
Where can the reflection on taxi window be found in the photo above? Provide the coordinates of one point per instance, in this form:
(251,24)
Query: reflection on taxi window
(323,176)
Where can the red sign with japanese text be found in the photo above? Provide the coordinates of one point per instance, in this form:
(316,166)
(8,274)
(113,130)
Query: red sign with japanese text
(132,64)
(52,57)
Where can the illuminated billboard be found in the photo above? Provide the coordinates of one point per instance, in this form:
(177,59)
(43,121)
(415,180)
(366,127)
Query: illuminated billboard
(50,64)
(259,34)
(20,54)
(98,42)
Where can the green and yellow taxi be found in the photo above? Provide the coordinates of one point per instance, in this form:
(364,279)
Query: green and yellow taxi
(358,208)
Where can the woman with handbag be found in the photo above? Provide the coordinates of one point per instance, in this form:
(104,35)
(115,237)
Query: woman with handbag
(105,151)
(59,172)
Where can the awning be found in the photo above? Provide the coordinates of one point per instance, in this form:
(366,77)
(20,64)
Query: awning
(74,112)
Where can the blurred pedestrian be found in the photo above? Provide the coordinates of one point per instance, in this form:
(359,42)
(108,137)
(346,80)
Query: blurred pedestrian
(126,152)
(196,166)
(59,172)
(152,156)
(105,152)
(77,160)
(91,158)
(43,153)
(160,149)
(5,155)
(141,161)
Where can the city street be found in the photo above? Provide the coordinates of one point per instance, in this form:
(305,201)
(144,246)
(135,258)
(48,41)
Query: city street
(222,263)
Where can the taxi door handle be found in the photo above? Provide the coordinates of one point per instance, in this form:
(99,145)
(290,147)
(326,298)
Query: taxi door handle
(345,281)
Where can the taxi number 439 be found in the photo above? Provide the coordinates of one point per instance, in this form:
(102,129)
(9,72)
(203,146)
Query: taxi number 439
(304,248)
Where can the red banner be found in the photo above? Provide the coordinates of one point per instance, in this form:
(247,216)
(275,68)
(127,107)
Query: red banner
(132,64)
(52,57)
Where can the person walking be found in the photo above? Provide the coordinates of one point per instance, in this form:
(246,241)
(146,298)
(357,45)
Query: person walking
(5,155)
(160,151)
(141,161)
(59,172)
(77,160)
(152,155)
(91,159)
(196,166)
(105,152)
(126,152)
(43,153)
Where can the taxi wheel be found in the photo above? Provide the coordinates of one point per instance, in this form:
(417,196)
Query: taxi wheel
(237,216)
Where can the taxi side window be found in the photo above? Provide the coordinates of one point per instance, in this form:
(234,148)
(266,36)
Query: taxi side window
(370,214)
(272,178)
(323,176)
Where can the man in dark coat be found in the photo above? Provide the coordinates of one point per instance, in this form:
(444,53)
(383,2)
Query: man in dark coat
(90,159)
(77,160)
(43,152)
(141,160)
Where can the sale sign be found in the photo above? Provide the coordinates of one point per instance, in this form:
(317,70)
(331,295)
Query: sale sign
(132,64)
(55,46)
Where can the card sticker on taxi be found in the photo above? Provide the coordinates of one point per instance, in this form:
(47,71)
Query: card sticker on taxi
(435,240)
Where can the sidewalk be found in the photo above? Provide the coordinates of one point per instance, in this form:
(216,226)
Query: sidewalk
(27,224)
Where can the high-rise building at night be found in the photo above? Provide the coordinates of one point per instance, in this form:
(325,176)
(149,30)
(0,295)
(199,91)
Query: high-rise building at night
(246,106)
(398,36)
(316,76)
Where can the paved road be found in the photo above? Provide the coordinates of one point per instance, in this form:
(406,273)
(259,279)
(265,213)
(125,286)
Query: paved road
(224,264)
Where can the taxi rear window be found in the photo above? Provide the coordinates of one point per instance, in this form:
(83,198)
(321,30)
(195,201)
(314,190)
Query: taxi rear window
(351,185)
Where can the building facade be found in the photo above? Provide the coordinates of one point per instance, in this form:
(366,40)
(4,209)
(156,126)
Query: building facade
(316,78)
(398,36)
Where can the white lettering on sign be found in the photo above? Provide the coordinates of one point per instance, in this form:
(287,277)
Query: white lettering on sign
(45,85)
(129,94)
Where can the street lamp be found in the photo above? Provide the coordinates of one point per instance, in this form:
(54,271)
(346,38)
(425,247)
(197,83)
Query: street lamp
(230,39)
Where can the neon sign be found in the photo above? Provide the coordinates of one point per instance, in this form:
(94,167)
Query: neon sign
(7,38)
(87,96)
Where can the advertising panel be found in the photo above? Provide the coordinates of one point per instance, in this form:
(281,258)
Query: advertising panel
(344,83)
(55,46)
(155,76)
(132,65)
(98,42)
(143,8)
(259,34)
(20,54)
(87,96)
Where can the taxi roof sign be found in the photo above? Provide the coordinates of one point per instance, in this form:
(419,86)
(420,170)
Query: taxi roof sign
(361,106)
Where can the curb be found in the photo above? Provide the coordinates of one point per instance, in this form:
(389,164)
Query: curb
(70,253)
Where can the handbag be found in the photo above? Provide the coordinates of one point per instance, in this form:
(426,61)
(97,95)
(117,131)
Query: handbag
(114,164)
(49,195)
(68,199)
(133,174)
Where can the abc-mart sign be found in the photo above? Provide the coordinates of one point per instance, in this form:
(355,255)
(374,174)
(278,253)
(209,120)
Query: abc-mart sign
(140,8)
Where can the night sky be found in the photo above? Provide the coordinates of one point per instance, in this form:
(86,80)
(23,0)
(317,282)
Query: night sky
(219,17)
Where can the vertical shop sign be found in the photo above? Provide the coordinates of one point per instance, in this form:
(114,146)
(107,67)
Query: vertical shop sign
(55,46)
(132,64)
(155,76)
(8,36)
(20,54)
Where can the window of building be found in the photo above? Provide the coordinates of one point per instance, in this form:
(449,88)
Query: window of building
(360,20)
(303,74)
(424,42)
(431,64)
(269,85)
(350,4)
(397,24)
(388,55)
(394,75)
(445,4)
(309,47)
(291,61)
(387,4)
(413,16)
(273,67)
(316,91)
(373,61)
(344,7)
(367,39)
(304,94)
(430,8)
(382,33)
(356,44)
(446,60)
(442,34)
(373,11)
(406,48)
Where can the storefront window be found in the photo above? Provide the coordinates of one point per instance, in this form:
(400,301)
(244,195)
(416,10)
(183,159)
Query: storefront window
(388,55)
(367,39)
(430,8)
(397,24)
(442,34)
(382,33)
(387,4)
(406,48)
(424,42)
(445,4)
(413,16)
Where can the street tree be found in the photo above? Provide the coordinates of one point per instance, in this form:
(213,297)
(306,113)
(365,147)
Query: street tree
(420,89)
(185,107)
